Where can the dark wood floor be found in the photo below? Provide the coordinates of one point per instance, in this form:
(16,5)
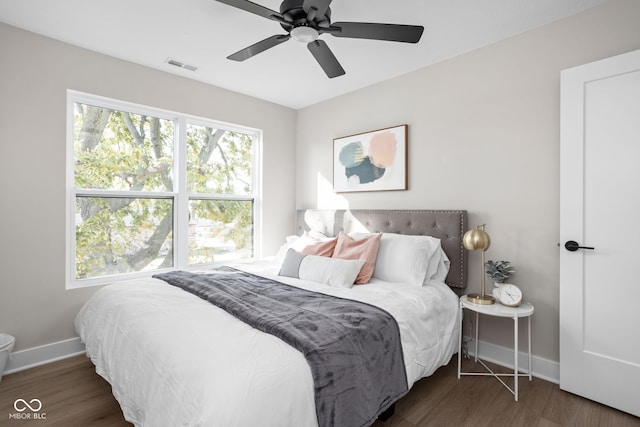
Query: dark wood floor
(72,394)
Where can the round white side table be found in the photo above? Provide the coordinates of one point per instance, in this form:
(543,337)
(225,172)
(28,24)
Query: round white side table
(498,310)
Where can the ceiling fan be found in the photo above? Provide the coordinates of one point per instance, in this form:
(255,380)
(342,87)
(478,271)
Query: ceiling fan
(305,20)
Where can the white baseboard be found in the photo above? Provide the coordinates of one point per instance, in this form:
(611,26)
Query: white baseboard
(545,369)
(36,356)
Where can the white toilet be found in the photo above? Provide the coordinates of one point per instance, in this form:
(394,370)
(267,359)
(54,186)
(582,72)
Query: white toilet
(6,345)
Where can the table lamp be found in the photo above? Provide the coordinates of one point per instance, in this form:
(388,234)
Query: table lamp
(477,239)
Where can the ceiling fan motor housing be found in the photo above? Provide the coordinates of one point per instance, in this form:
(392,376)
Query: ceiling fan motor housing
(293,11)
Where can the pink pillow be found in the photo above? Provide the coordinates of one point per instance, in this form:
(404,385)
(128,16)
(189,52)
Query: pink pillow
(366,249)
(324,248)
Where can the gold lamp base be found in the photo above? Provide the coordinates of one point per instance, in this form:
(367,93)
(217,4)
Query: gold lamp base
(481,299)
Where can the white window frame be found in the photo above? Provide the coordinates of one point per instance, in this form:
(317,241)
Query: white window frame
(179,194)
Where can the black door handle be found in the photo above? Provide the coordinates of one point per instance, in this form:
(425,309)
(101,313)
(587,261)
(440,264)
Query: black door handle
(572,245)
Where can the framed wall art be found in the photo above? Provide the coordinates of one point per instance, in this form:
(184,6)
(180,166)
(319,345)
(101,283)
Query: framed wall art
(371,161)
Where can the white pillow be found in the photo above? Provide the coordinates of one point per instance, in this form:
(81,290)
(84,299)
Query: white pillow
(335,272)
(438,266)
(407,258)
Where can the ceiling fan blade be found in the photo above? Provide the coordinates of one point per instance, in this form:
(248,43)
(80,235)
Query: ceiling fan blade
(366,30)
(254,8)
(325,58)
(261,46)
(320,7)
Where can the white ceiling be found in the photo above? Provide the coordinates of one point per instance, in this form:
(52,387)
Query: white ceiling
(204,32)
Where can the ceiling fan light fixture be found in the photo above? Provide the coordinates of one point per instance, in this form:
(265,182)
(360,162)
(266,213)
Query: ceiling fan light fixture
(304,34)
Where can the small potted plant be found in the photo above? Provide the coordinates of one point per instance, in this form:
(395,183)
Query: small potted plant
(506,293)
(499,271)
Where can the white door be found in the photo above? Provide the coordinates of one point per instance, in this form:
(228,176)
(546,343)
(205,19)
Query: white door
(600,208)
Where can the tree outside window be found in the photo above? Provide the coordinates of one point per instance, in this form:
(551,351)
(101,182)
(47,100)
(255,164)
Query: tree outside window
(129,204)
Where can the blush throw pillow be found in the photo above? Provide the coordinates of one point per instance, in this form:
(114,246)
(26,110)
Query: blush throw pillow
(299,243)
(365,249)
(324,248)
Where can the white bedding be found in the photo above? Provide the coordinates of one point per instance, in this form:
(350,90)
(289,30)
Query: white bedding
(173,359)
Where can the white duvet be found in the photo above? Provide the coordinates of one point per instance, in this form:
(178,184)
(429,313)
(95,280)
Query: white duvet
(173,359)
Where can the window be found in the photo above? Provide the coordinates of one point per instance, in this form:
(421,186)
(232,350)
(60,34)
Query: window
(152,190)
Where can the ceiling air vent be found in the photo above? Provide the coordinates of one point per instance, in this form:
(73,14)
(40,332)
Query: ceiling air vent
(179,64)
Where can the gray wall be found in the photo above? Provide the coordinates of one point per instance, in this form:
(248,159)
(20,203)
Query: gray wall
(483,136)
(35,75)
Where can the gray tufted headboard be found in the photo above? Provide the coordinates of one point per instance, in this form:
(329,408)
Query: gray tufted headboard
(448,226)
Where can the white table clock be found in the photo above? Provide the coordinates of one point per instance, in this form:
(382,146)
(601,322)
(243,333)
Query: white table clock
(507,294)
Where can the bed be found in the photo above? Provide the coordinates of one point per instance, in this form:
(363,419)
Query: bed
(173,358)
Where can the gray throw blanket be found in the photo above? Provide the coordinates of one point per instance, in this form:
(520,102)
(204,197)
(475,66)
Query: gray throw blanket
(353,348)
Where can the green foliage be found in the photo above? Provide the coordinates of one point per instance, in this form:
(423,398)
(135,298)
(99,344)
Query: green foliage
(218,161)
(125,152)
(499,271)
(127,156)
